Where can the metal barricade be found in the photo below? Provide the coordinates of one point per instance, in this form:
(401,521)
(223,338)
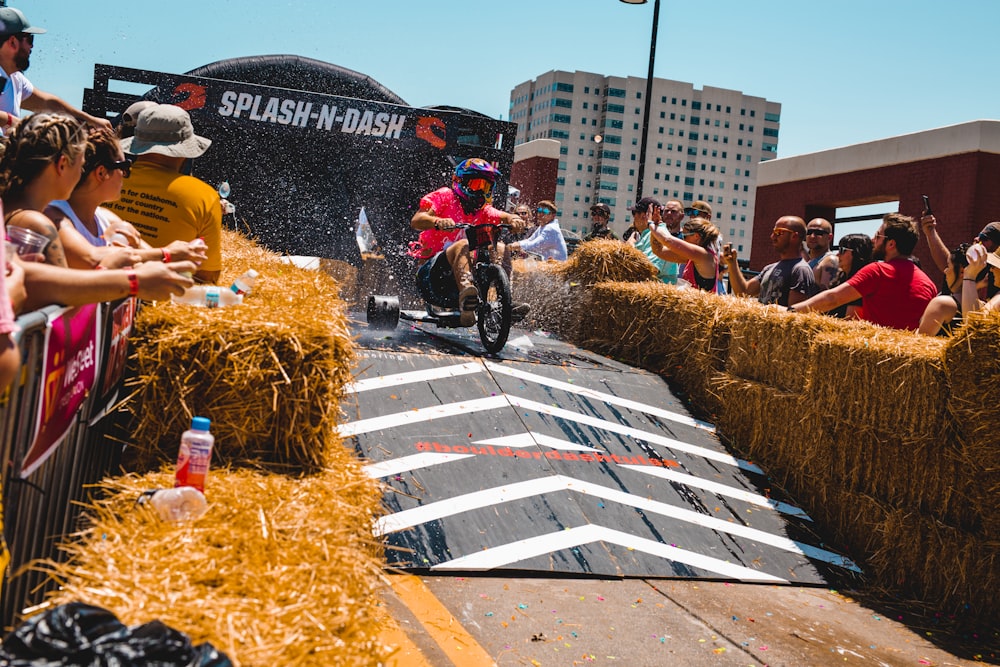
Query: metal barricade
(42,508)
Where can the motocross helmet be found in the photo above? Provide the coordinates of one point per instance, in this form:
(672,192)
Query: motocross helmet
(473,183)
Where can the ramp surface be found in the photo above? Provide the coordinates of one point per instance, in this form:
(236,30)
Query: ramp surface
(552,459)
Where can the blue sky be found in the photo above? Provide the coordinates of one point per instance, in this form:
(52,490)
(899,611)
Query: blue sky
(845,71)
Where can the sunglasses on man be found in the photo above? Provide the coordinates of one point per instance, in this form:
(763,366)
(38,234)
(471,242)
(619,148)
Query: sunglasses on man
(816,232)
(544,211)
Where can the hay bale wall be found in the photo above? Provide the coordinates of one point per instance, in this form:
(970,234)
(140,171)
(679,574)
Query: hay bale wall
(887,438)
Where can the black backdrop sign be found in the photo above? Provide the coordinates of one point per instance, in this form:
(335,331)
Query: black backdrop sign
(305,144)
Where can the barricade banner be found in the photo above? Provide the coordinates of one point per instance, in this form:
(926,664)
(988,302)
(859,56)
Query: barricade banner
(114,353)
(69,372)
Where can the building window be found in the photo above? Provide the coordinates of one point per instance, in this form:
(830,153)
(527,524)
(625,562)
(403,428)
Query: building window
(616,92)
(772,117)
(564,87)
(568,104)
(615,108)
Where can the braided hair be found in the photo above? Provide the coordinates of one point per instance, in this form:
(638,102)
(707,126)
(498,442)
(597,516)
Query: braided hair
(101,148)
(35,142)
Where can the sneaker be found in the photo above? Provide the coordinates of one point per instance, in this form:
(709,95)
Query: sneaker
(519,311)
(468,299)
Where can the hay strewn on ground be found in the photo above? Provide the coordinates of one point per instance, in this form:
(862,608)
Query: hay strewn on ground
(887,438)
(269,373)
(280,571)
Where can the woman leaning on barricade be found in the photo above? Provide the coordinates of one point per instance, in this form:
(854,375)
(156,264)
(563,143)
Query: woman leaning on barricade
(42,161)
(696,250)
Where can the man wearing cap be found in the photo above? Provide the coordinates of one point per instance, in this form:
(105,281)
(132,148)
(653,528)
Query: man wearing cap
(129,117)
(164,204)
(600,213)
(17,37)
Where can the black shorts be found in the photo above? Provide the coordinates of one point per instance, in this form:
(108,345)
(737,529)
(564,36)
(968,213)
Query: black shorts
(436,282)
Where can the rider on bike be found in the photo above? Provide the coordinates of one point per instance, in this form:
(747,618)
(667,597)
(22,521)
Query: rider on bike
(444,276)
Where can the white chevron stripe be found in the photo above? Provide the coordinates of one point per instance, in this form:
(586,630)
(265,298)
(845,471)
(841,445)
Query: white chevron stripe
(633,432)
(501,494)
(408,463)
(532,439)
(421,415)
(597,395)
(411,377)
(520,550)
(721,489)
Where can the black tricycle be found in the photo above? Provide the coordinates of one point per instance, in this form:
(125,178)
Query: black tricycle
(493,312)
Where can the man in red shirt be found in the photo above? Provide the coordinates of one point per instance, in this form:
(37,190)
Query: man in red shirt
(894,291)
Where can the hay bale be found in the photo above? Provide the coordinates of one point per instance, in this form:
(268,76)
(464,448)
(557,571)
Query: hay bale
(769,426)
(603,260)
(280,571)
(770,345)
(889,378)
(269,373)
(972,368)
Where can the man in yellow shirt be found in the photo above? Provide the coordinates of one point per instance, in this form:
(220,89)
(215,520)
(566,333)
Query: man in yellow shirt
(164,204)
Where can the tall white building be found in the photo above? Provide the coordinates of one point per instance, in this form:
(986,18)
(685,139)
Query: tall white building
(703,144)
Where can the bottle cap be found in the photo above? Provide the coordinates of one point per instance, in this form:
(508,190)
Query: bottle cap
(252,273)
(201,423)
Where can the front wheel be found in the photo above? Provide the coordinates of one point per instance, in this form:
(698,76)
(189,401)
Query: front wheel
(494,307)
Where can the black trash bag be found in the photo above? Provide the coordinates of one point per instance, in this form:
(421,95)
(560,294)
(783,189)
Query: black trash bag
(88,636)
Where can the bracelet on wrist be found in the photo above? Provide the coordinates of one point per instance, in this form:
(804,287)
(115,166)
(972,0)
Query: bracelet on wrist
(166,255)
(133,284)
(971,280)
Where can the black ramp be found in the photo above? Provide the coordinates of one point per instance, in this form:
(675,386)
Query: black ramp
(548,459)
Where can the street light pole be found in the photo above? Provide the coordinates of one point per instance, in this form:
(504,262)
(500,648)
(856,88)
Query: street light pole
(649,95)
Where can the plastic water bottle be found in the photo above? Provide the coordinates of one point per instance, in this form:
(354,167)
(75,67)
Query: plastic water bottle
(195,455)
(119,240)
(244,283)
(182,503)
(208,296)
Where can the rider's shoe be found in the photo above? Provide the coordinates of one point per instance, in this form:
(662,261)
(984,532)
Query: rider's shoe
(519,311)
(468,299)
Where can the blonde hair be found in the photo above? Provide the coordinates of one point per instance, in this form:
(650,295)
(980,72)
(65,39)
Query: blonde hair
(708,231)
(35,142)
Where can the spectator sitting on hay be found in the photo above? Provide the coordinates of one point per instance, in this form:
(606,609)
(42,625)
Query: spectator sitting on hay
(85,226)
(696,249)
(894,291)
(785,282)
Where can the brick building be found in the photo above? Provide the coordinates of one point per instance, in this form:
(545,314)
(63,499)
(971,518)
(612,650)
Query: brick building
(957,166)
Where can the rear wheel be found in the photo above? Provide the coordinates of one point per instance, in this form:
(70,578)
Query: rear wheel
(494,307)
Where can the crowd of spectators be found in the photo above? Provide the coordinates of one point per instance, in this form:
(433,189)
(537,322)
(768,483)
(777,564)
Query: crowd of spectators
(59,166)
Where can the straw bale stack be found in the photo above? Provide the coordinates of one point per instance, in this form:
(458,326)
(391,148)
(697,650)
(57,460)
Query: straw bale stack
(269,373)
(280,571)
(603,260)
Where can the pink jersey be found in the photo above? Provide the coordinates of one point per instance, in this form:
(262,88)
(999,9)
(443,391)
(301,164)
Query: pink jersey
(444,203)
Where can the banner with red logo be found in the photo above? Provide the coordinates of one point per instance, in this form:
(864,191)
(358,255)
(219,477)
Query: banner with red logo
(69,372)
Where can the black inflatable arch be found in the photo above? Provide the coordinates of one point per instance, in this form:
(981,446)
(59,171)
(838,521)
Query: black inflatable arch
(299,73)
